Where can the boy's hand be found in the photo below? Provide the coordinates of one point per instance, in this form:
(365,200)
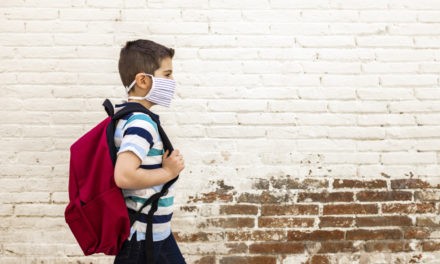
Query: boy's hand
(173,163)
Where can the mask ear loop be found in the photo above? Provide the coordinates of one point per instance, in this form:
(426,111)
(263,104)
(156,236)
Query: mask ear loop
(128,88)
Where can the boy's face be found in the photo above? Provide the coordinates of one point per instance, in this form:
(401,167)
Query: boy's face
(166,69)
(143,82)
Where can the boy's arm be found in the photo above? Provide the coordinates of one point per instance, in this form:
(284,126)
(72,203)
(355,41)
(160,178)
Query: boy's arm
(138,136)
(128,175)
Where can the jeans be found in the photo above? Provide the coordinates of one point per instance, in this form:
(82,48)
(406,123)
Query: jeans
(165,252)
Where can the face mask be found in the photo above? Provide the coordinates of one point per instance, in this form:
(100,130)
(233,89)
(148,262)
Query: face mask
(161,92)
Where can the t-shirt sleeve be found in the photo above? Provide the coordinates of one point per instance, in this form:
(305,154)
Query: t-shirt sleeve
(138,135)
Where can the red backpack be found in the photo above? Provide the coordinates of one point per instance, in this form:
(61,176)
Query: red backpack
(96,213)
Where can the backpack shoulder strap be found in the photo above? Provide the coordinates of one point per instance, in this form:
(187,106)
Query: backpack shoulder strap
(135,107)
(108,106)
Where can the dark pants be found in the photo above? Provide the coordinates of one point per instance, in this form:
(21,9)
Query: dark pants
(165,252)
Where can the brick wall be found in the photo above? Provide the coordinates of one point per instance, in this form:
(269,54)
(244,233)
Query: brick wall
(310,128)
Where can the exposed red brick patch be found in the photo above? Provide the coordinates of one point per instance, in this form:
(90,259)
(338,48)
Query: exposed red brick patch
(269,221)
(384,196)
(372,184)
(334,209)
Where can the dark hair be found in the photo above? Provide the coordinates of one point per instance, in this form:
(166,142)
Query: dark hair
(141,56)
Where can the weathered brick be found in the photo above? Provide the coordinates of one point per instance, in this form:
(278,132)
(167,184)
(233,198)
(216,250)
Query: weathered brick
(363,184)
(212,197)
(427,195)
(383,221)
(409,184)
(237,248)
(230,222)
(277,248)
(189,209)
(430,246)
(285,222)
(261,184)
(198,237)
(336,247)
(319,259)
(248,260)
(257,235)
(206,260)
(384,196)
(264,198)
(315,235)
(381,246)
(308,184)
(365,234)
(335,209)
(288,183)
(412,208)
(239,209)
(325,197)
(416,233)
(428,221)
(298,209)
(330,221)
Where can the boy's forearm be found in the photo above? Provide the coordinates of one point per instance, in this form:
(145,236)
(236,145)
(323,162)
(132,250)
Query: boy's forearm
(143,178)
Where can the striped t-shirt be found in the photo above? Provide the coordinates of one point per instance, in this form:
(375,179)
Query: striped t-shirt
(138,133)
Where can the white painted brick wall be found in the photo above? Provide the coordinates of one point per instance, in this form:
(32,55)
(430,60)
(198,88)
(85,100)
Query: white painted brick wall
(265,83)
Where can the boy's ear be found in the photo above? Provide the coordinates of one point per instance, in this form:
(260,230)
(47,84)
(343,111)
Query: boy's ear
(143,81)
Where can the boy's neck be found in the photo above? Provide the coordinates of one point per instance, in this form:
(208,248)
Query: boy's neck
(144,103)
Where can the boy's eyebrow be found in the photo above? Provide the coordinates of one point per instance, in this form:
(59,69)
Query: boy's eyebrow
(168,70)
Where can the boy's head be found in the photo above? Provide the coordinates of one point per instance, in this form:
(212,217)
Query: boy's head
(144,56)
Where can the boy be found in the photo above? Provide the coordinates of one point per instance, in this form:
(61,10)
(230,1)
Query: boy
(142,167)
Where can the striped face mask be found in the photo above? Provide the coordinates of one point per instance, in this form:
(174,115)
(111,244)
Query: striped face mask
(161,92)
